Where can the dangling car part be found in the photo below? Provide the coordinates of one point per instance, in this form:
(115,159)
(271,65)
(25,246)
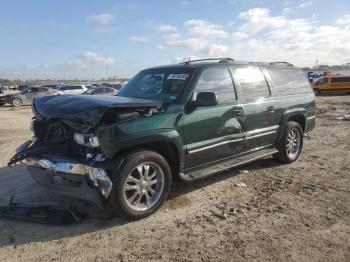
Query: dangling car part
(42,214)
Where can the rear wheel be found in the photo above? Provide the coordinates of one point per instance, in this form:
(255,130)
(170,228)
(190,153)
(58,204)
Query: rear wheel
(317,92)
(291,143)
(17,102)
(141,185)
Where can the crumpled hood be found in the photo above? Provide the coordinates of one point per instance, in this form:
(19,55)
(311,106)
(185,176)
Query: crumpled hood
(85,109)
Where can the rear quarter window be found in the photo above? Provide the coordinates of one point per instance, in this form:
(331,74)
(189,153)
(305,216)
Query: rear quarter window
(289,81)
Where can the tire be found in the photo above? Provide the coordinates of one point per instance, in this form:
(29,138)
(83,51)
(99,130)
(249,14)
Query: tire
(17,102)
(317,92)
(290,151)
(132,185)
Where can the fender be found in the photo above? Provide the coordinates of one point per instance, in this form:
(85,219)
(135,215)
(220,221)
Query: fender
(288,114)
(111,143)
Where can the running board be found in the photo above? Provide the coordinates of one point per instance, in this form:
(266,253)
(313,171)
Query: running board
(198,173)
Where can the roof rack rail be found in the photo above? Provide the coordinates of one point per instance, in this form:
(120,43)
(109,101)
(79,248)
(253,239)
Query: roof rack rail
(221,60)
(283,63)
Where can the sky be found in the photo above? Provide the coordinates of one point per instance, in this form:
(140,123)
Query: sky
(89,39)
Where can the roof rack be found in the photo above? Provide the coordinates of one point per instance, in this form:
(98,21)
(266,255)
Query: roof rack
(283,63)
(221,60)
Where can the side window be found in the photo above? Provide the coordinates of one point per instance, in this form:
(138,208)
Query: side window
(340,79)
(252,82)
(291,81)
(219,81)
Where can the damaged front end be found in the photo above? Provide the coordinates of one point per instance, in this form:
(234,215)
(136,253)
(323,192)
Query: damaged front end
(64,154)
(56,161)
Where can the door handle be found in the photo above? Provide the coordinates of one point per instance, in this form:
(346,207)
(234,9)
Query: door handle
(270,108)
(237,111)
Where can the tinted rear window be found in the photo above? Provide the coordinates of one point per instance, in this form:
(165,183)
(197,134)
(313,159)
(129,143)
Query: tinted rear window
(289,81)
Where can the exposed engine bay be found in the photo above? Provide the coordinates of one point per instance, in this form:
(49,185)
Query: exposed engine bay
(56,136)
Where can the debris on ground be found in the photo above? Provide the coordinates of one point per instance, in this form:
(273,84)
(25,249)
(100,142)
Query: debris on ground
(344,118)
(42,214)
(240,184)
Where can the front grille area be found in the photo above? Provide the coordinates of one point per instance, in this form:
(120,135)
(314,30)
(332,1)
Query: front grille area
(57,132)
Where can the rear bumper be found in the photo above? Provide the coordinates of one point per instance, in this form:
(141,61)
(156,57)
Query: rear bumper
(70,177)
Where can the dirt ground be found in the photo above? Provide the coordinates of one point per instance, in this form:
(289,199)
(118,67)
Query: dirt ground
(295,212)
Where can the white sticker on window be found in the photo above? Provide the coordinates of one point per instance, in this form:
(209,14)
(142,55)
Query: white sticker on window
(177,77)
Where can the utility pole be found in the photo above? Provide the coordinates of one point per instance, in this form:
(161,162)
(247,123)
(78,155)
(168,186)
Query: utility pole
(107,66)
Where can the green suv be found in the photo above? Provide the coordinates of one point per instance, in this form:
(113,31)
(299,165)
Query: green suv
(189,120)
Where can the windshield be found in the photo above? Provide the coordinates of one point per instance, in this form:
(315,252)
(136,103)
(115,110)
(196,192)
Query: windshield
(164,85)
(25,91)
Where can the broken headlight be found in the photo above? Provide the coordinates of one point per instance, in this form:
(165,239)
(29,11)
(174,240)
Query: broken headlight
(88,140)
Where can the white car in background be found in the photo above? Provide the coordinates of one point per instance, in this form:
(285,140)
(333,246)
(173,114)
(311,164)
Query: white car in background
(72,89)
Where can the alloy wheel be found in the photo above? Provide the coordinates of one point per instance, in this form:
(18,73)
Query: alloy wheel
(293,143)
(144,186)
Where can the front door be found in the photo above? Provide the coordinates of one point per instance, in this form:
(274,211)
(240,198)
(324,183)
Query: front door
(215,132)
(260,109)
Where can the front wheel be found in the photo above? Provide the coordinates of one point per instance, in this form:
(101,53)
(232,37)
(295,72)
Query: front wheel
(291,143)
(141,185)
(17,102)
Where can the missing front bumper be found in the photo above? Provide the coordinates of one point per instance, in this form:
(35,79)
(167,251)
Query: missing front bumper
(71,178)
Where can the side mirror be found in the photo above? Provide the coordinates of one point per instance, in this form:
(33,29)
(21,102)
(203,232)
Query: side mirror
(206,99)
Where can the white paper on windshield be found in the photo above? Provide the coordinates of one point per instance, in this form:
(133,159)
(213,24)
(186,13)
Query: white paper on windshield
(182,77)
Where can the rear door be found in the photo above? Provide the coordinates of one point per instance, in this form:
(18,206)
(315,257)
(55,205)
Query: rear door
(76,89)
(29,96)
(260,123)
(214,132)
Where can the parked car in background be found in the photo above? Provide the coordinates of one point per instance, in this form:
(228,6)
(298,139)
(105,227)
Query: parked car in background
(22,87)
(71,89)
(26,96)
(54,86)
(2,98)
(102,91)
(116,86)
(332,84)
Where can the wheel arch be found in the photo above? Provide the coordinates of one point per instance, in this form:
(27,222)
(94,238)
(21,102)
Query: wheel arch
(166,149)
(167,143)
(297,115)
